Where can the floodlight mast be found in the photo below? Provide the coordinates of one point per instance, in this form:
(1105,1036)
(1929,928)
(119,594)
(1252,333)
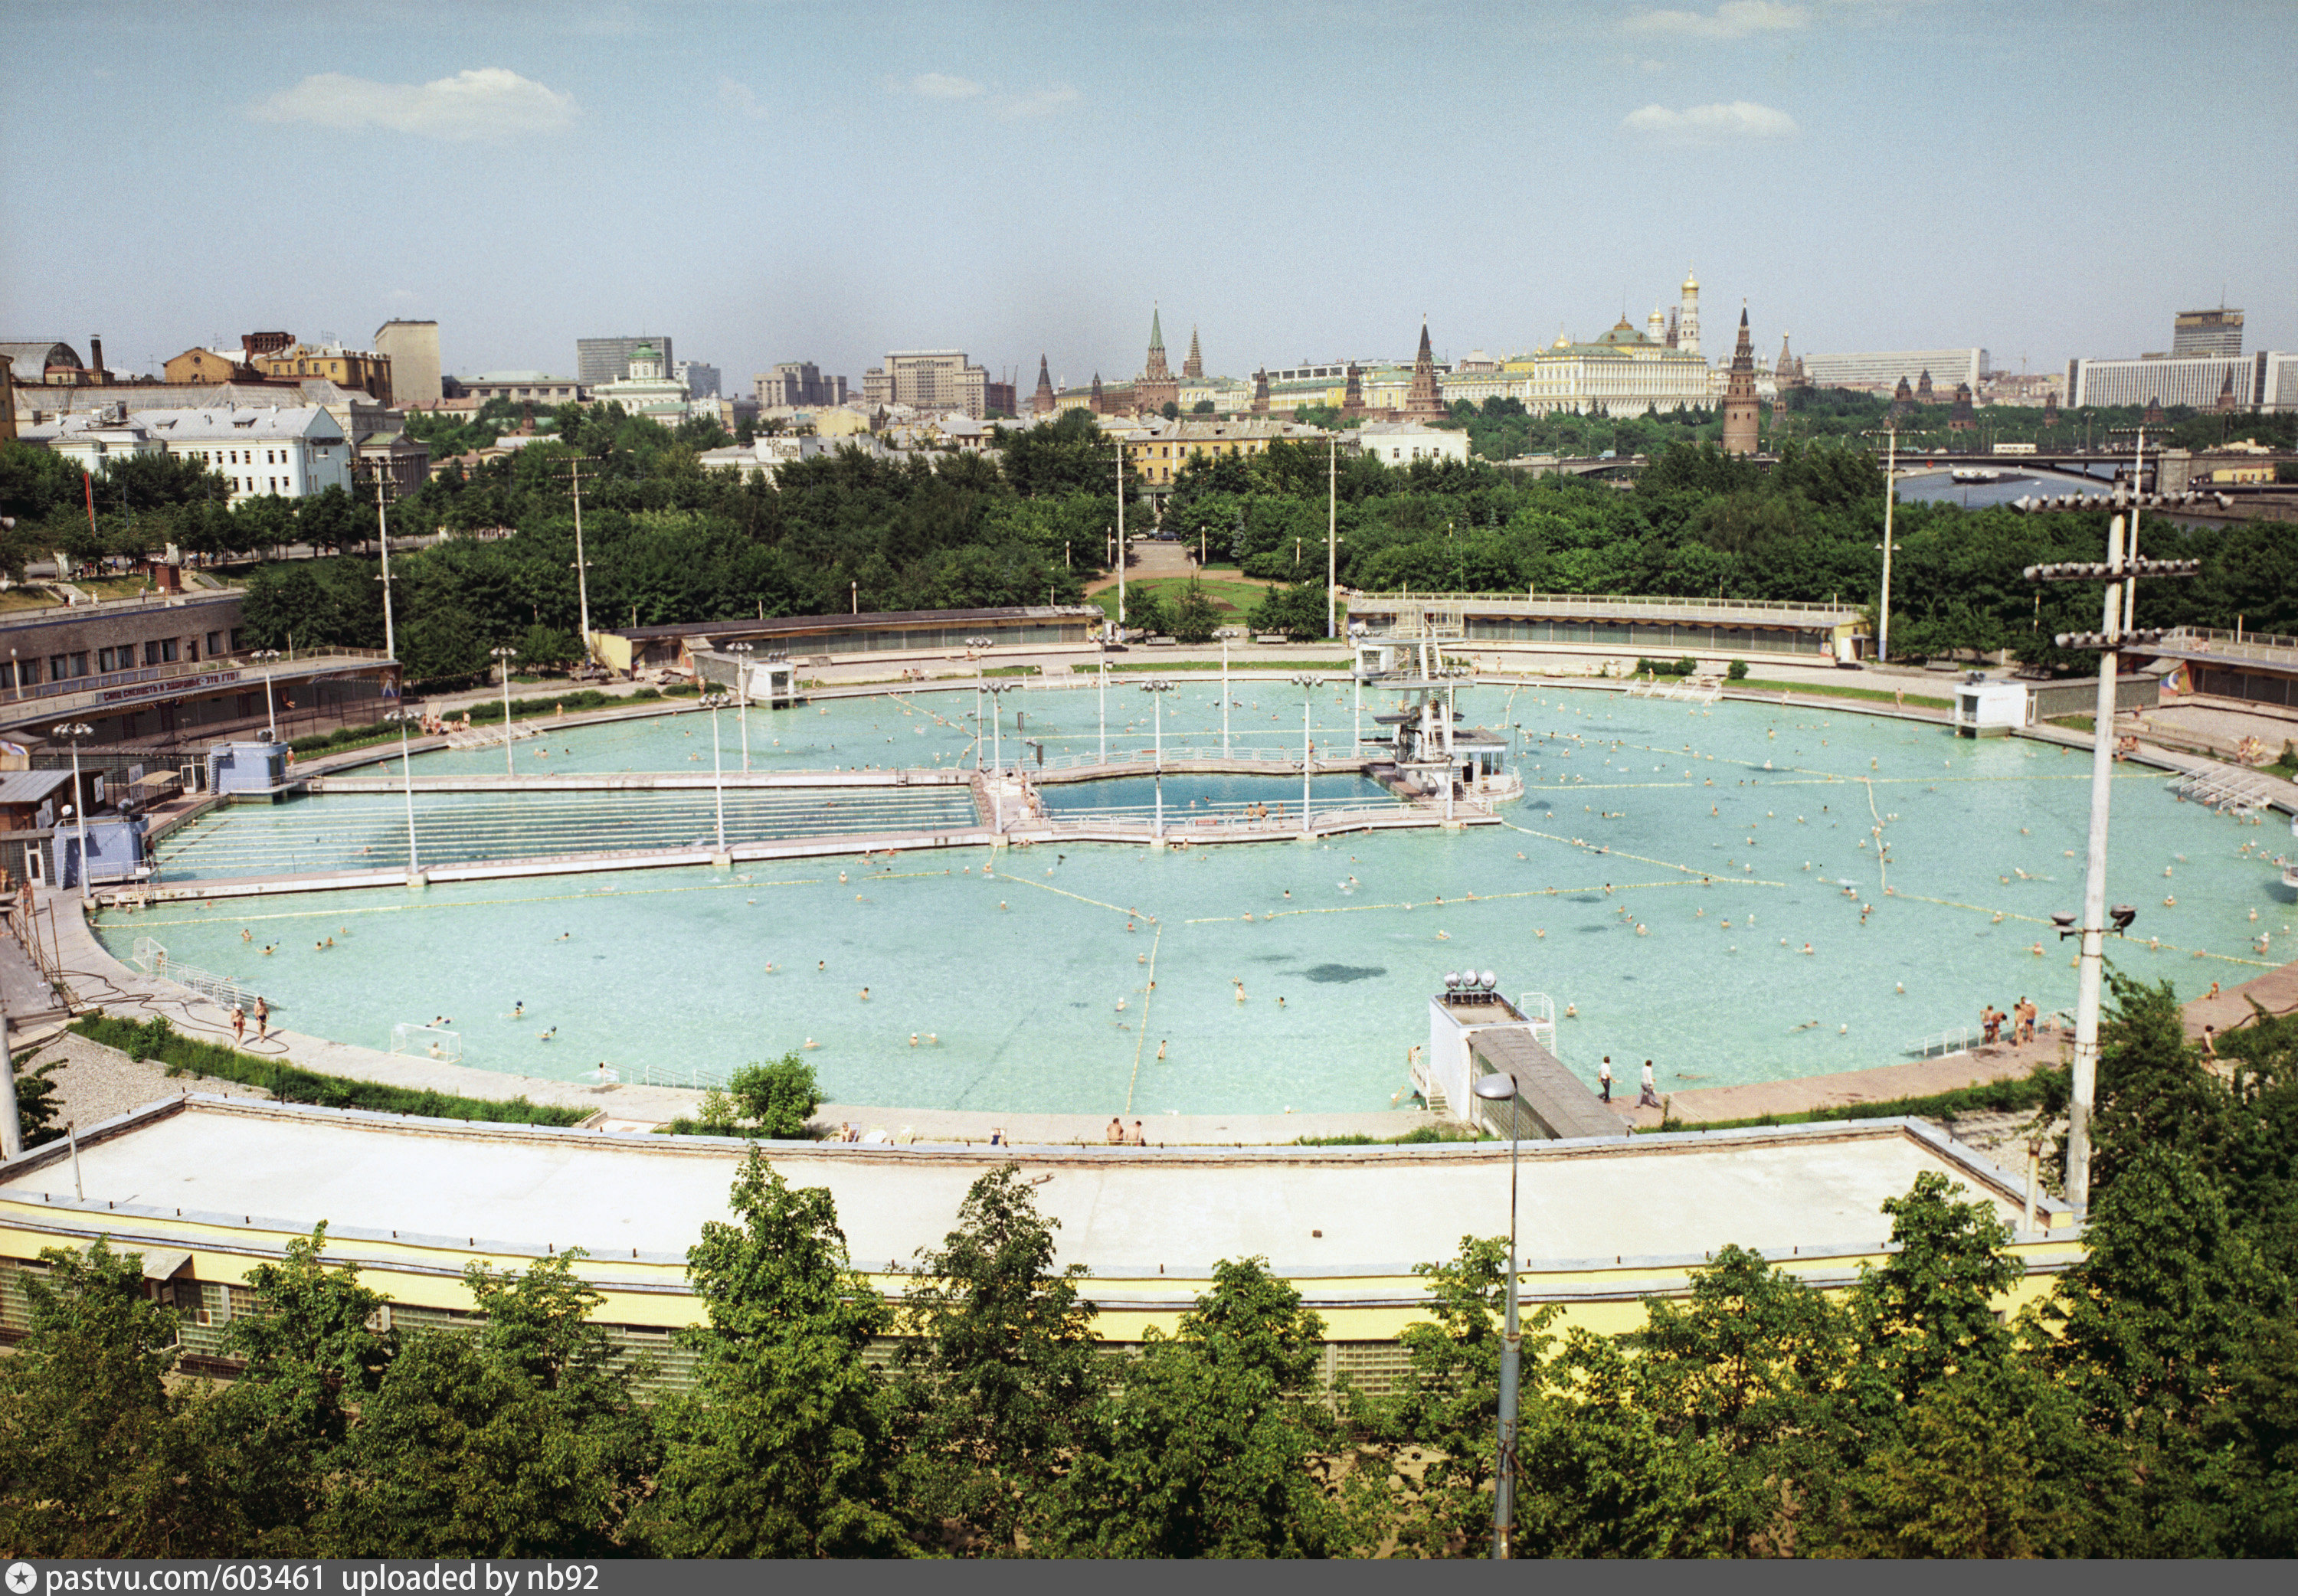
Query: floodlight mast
(2120,574)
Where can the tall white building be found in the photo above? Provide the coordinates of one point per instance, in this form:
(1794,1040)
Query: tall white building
(650,390)
(1687,321)
(259,449)
(2262,379)
(1883,369)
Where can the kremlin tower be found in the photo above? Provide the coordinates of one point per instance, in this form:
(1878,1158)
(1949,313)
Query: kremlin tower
(1041,402)
(1193,370)
(1687,317)
(1156,387)
(1422,401)
(1739,406)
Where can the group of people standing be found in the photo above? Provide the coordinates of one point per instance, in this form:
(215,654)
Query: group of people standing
(2020,1019)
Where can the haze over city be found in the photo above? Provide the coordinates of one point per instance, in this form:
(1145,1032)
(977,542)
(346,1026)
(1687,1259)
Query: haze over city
(1299,181)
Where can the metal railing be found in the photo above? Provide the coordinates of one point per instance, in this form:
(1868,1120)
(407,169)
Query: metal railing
(2263,649)
(152,957)
(1614,605)
(693,1080)
(56,697)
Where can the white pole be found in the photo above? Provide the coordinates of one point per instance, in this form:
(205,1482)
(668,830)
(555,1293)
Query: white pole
(1332,535)
(510,768)
(718,777)
(1224,698)
(270,715)
(80,797)
(1121,537)
(2085,1083)
(2138,479)
(1159,698)
(1308,694)
(406,786)
(1890,495)
(1104,710)
(382,535)
(581,566)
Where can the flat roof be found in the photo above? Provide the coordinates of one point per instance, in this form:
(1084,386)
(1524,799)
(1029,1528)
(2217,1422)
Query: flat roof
(1379,1210)
(867,618)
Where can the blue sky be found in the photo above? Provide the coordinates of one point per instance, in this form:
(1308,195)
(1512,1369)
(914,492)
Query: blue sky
(770,182)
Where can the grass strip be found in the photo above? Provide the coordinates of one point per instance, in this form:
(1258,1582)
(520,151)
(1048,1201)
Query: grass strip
(156,1039)
(2045,1088)
(1829,690)
(1238,665)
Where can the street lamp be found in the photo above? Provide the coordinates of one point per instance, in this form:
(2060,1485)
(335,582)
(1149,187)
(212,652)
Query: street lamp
(713,702)
(1157,686)
(2119,572)
(503,656)
(1307,686)
(264,657)
(1501,1088)
(1890,497)
(75,730)
(407,717)
(742,653)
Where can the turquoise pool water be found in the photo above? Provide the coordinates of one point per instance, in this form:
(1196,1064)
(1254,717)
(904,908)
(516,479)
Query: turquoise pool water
(1025,976)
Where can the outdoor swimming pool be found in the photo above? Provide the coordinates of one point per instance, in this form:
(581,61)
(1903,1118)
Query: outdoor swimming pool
(1729,838)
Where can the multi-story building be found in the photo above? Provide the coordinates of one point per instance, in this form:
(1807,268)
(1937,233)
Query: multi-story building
(294,452)
(89,439)
(2206,333)
(412,347)
(205,367)
(537,387)
(797,383)
(1880,371)
(1401,443)
(360,370)
(2258,380)
(701,380)
(929,379)
(650,390)
(1158,453)
(608,359)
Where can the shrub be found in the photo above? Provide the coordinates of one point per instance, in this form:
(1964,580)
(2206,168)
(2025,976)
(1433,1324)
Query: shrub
(155,1039)
(1737,671)
(779,1097)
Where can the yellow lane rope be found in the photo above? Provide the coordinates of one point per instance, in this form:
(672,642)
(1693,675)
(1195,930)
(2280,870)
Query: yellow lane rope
(1023,880)
(1610,851)
(1141,1035)
(1480,897)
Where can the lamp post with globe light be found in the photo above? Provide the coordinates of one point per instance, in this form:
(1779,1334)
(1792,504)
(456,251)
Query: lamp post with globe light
(1502,1088)
(713,702)
(1157,686)
(407,717)
(742,653)
(75,730)
(503,656)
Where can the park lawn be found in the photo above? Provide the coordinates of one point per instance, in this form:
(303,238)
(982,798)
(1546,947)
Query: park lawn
(27,597)
(1234,595)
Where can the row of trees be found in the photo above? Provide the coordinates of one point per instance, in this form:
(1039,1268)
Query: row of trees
(670,543)
(2147,1406)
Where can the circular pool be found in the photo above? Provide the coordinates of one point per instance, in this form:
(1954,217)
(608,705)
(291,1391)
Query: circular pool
(1704,886)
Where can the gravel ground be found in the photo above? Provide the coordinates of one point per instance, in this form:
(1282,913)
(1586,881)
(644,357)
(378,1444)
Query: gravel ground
(95,1082)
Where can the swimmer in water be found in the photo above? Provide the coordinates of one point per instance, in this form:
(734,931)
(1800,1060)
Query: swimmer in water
(913,1039)
(1806,947)
(518,1009)
(1161,1052)
(246,935)
(551,1034)
(865,994)
(562,937)
(821,965)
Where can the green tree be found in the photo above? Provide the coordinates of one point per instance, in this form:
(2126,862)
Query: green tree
(1297,611)
(779,1098)
(98,1458)
(785,1447)
(518,1438)
(1218,1444)
(997,1375)
(1195,619)
(36,1097)
(1146,610)
(310,1358)
(1425,1474)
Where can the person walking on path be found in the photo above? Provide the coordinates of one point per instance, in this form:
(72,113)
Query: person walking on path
(238,1025)
(262,1018)
(1604,1077)
(1649,1098)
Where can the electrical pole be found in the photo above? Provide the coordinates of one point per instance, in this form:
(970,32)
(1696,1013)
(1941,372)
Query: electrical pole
(581,566)
(2119,572)
(1890,497)
(382,537)
(1120,541)
(1332,535)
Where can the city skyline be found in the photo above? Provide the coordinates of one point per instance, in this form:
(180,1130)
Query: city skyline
(1296,183)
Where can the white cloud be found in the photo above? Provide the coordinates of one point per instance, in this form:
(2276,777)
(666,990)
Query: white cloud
(941,86)
(481,103)
(1734,19)
(738,98)
(1741,121)
(1044,101)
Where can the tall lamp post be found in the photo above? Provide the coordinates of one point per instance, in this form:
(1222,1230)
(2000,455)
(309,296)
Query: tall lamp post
(1307,686)
(382,541)
(742,653)
(997,691)
(264,658)
(2120,573)
(713,702)
(1890,497)
(407,716)
(1157,688)
(503,656)
(75,730)
(1501,1088)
